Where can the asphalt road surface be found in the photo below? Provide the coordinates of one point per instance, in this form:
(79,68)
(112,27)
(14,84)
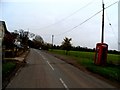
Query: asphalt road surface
(45,71)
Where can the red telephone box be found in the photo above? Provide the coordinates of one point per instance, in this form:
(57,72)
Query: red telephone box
(101,54)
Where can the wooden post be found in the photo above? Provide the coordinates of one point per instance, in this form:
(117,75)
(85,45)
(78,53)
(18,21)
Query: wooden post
(102,38)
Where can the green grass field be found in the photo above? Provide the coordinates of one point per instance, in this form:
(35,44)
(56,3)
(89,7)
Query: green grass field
(111,58)
(111,70)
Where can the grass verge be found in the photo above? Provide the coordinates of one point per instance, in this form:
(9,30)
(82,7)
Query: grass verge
(7,68)
(110,71)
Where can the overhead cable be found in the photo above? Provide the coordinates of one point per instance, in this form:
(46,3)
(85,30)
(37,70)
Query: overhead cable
(86,19)
(110,24)
(68,16)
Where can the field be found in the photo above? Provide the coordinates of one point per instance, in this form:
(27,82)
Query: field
(86,59)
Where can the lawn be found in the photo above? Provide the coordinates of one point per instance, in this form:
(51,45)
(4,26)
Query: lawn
(86,59)
(7,68)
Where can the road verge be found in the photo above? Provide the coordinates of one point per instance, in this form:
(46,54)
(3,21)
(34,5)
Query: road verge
(73,61)
(11,66)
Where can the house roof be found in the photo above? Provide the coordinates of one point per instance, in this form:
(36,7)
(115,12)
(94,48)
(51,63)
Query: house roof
(2,23)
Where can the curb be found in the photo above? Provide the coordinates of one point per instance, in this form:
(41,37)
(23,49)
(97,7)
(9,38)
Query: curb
(13,73)
(24,58)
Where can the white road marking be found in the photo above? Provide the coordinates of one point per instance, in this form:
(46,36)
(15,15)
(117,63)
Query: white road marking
(41,55)
(50,65)
(63,83)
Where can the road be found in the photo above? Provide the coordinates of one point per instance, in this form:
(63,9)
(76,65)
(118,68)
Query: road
(45,71)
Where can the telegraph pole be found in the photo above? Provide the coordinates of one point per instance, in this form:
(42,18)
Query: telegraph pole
(101,48)
(102,38)
(52,40)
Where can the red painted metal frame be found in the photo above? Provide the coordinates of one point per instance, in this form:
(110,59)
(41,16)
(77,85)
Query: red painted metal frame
(101,54)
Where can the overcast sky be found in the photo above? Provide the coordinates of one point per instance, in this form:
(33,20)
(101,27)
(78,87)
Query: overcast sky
(55,17)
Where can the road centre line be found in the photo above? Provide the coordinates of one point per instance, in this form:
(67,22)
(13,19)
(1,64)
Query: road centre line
(43,57)
(64,84)
(40,54)
(53,69)
(50,65)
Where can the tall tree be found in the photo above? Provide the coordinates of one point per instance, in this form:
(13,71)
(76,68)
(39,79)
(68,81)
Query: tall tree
(24,38)
(66,44)
(38,41)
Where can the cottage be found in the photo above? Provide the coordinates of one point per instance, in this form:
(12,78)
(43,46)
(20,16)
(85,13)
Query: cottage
(7,41)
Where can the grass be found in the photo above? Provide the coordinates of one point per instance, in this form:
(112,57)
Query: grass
(112,73)
(7,67)
(86,59)
(111,58)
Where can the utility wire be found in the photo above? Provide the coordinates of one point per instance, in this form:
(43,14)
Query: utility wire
(68,16)
(86,20)
(110,24)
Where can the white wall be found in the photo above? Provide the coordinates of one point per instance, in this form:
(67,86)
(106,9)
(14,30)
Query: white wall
(1,36)
(119,26)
